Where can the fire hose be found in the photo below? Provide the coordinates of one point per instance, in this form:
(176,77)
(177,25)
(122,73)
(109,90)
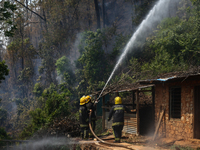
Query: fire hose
(113,144)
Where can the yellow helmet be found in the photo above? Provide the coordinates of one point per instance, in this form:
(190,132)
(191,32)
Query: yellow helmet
(118,100)
(82,100)
(88,99)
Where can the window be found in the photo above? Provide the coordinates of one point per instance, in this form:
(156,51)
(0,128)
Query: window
(175,102)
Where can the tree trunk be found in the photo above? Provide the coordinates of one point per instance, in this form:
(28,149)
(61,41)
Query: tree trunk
(97,14)
(104,13)
(88,14)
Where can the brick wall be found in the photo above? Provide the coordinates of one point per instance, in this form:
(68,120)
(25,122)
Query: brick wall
(176,128)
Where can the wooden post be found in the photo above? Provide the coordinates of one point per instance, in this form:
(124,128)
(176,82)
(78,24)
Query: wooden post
(153,103)
(133,98)
(137,112)
(161,115)
(103,113)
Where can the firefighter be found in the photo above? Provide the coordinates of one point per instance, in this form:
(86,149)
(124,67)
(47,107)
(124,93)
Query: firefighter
(91,106)
(117,111)
(83,118)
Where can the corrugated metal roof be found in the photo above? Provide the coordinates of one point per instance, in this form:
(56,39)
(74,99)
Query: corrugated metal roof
(165,79)
(168,79)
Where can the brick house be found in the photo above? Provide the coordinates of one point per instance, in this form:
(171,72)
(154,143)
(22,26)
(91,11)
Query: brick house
(179,96)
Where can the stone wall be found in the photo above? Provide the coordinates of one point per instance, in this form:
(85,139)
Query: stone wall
(175,128)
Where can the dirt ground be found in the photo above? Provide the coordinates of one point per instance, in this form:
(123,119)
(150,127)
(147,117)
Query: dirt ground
(131,141)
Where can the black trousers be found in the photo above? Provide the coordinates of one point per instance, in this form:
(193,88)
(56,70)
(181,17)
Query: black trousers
(93,124)
(84,132)
(117,130)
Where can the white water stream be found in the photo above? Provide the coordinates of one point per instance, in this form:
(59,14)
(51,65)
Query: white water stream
(160,11)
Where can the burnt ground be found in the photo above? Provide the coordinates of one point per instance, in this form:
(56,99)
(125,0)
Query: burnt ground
(144,143)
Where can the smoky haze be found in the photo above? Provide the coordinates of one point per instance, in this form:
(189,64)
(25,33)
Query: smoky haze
(50,143)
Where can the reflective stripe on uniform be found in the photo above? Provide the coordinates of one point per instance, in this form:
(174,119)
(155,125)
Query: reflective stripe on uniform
(83,125)
(117,139)
(117,123)
(119,108)
(85,133)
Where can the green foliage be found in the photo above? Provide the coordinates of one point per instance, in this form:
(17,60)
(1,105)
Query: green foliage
(92,61)
(6,13)
(93,57)
(28,131)
(57,105)
(62,65)
(3,70)
(174,147)
(97,59)
(172,46)
(53,103)
(37,89)
(64,69)
(3,136)
(141,10)
(26,75)
(162,63)
(3,116)
(38,118)
(22,52)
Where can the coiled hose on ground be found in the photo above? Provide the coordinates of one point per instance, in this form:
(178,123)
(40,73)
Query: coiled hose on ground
(113,144)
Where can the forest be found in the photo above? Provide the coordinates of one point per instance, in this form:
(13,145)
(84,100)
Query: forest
(52,52)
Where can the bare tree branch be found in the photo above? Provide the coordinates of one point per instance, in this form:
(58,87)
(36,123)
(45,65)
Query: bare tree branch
(30,10)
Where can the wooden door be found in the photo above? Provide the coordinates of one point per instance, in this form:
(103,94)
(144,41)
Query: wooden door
(197,112)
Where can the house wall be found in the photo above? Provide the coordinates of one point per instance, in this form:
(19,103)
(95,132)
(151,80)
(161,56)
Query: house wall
(175,128)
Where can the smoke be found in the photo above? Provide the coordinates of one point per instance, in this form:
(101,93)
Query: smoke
(50,143)
(74,54)
(44,143)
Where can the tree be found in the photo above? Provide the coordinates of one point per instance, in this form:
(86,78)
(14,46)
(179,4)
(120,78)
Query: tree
(99,51)
(97,14)
(14,54)
(175,44)
(64,69)
(3,70)
(6,13)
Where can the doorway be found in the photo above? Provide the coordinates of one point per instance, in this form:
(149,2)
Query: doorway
(197,112)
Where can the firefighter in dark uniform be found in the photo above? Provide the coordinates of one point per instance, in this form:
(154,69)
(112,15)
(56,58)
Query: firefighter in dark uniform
(91,106)
(117,111)
(83,118)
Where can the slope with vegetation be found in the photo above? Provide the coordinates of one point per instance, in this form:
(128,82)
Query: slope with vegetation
(59,50)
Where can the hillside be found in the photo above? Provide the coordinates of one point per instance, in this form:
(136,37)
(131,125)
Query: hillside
(57,51)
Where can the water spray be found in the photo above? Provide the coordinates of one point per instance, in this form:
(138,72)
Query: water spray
(156,14)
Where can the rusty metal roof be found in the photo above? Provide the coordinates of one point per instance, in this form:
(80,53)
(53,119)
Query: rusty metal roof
(167,77)
(180,78)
